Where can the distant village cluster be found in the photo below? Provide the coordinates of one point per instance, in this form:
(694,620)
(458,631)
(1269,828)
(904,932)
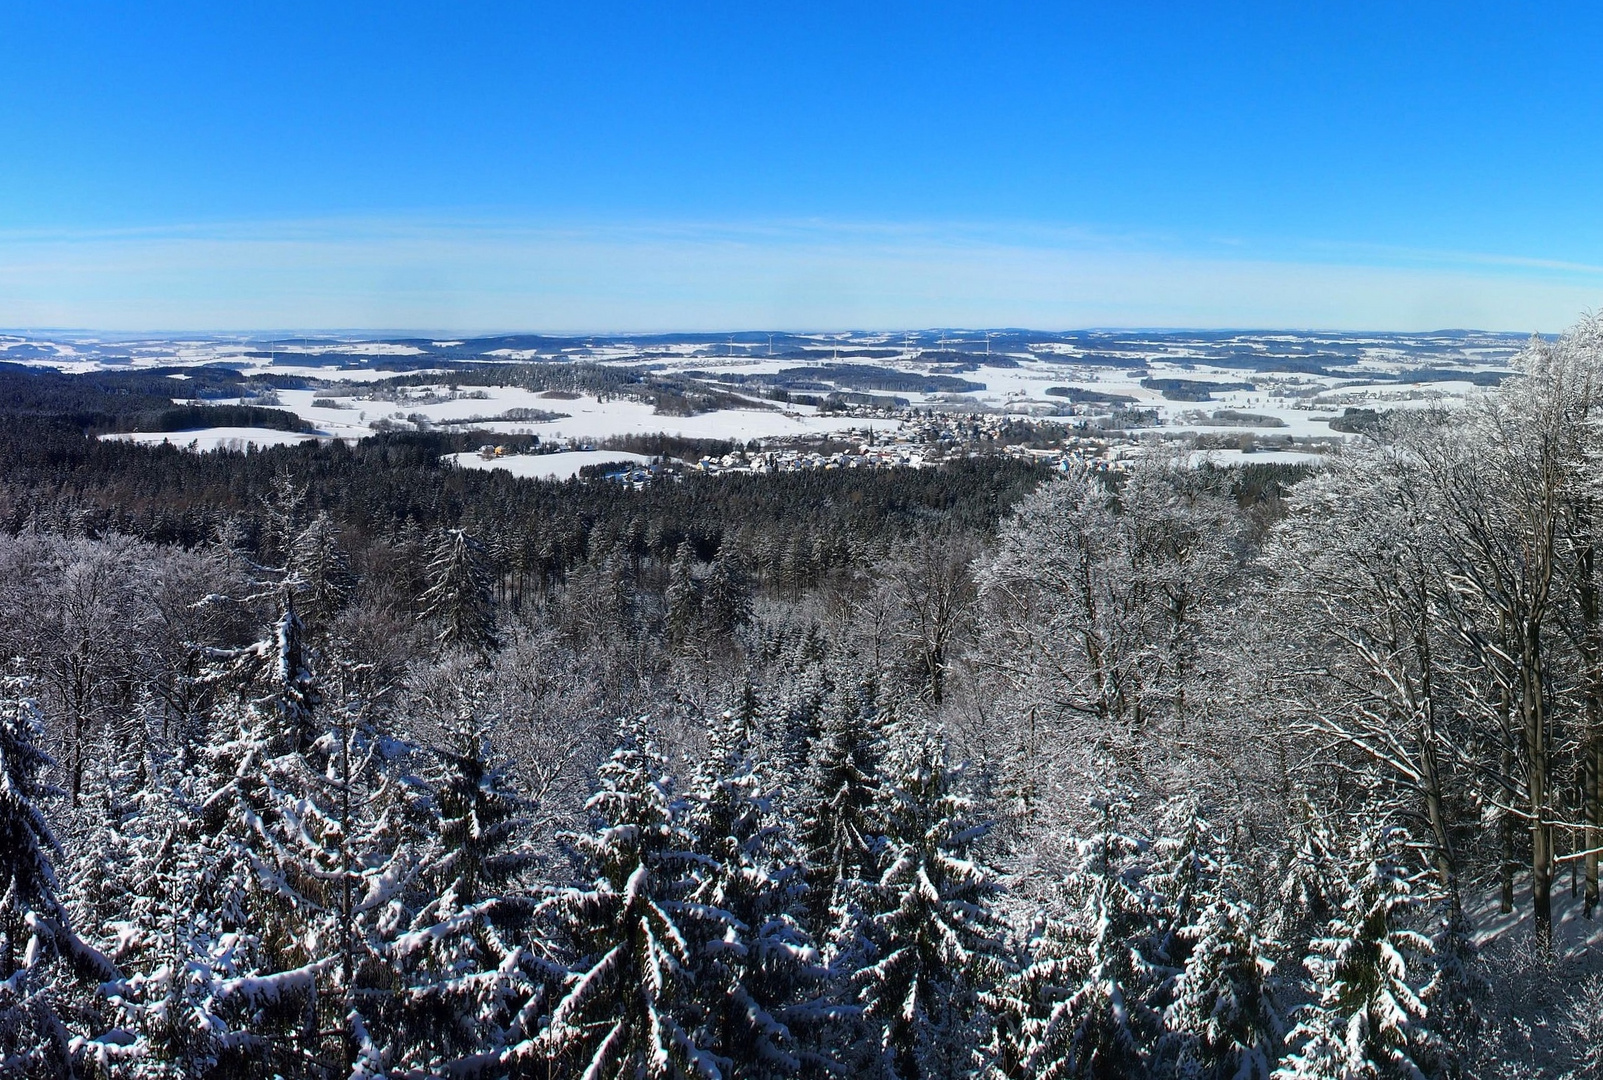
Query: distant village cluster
(923,438)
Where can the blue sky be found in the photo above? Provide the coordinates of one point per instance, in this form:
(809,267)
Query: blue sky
(627,167)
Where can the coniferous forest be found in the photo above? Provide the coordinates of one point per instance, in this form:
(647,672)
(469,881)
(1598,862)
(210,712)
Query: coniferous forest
(334,761)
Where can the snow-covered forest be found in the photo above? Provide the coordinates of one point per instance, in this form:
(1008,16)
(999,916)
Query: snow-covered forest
(328,762)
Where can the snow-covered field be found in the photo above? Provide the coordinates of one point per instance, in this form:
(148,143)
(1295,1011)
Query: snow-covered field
(1264,384)
(561,466)
(586,417)
(217,438)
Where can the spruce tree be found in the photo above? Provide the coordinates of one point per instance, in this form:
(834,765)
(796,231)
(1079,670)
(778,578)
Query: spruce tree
(760,978)
(1368,1020)
(472,980)
(40,957)
(936,936)
(1102,1027)
(458,597)
(841,826)
(1033,1032)
(318,569)
(1224,1001)
(627,1006)
(683,596)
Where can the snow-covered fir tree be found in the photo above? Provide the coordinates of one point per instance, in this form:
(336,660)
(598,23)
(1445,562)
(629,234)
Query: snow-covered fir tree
(473,983)
(1369,1020)
(1103,1027)
(1225,1009)
(936,936)
(458,599)
(841,822)
(762,977)
(627,1006)
(1033,1031)
(319,570)
(40,957)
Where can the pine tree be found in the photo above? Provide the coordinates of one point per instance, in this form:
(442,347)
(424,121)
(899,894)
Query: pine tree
(683,597)
(458,595)
(295,694)
(936,936)
(726,603)
(840,828)
(761,977)
(1310,870)
(1368,1021)
(1101,1029)
(40,956)
(143,892)
(1032,1032)
(299,849)
(319,570)
(473,985)
(625,1007)
(1224,1003)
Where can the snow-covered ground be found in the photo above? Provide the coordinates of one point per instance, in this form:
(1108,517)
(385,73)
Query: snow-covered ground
(585,418)
(1335,372)
(1573,933)
(1225,458)
(561,466)
(217,438)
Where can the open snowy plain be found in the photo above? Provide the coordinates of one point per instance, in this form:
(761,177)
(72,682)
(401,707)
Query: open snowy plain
(1282,386)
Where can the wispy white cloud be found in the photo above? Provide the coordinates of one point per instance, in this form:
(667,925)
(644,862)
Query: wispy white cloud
(480,275)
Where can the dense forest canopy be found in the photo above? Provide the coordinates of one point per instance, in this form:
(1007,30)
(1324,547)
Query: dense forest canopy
(337,761)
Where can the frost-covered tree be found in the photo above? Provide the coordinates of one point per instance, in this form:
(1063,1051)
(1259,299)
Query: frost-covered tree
(1033,1031)
(683,596)
(840,812)
(1224,1000)
(1369,1020)
(40,956)
(1361,584)
(761,977)
(1103,1027)
(458,598)
(473,980)
(626,1007)
(299,845)
(319,570)
(937,938)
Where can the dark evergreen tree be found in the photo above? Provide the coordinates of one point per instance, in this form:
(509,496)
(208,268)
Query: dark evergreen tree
(1368,1020)
(473,981)
(841,826)
(683,597)
(627,1007)
(40,957)
(458,598)
(937,938)
(761,977)
(1224,1004)
(319,570)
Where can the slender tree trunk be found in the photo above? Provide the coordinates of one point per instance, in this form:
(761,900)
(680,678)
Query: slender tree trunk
(1533,715)
(1505,821)
(1592,745)
(1435,812)
(1430,765)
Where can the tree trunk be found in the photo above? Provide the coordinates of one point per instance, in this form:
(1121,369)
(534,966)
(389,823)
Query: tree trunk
(1592,744)
(1505,821)
(1533,715)
(1435,812)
